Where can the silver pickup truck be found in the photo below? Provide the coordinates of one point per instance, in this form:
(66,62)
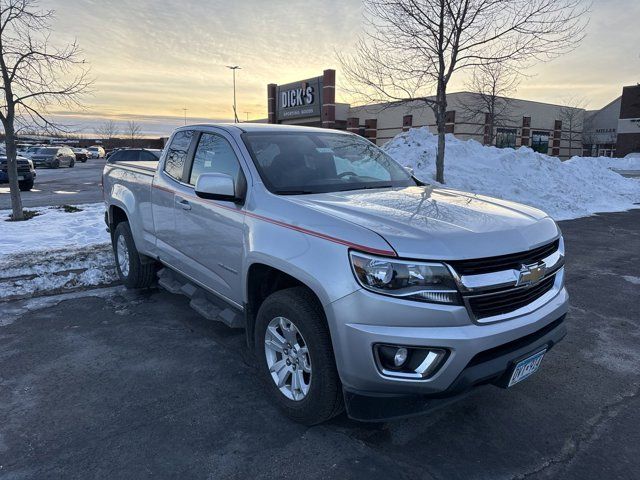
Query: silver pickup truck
(358,285)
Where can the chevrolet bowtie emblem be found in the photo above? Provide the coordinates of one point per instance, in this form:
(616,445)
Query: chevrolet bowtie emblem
(530,274)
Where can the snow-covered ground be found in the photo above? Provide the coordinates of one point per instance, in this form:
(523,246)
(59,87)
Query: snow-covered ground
(575,188)
(54,251)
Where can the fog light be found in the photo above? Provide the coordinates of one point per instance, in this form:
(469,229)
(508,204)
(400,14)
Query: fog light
(409,362)
(400,356)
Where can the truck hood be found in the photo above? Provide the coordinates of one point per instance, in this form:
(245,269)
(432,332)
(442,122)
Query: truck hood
(439,224)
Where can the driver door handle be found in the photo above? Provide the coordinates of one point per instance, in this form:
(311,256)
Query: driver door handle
(183,203)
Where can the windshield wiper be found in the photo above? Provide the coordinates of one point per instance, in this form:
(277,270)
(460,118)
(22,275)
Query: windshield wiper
(367,187)
(293,192)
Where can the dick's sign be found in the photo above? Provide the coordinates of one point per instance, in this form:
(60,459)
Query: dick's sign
(299,99)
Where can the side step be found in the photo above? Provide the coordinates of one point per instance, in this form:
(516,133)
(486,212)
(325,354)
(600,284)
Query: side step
(203,302)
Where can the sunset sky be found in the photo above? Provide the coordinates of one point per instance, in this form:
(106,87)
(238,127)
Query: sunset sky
(152,58)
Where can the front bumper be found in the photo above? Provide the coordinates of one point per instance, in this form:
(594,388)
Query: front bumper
(362,319)
(26,176)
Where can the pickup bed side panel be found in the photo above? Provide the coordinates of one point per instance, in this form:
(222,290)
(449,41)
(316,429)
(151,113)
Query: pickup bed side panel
(130,190)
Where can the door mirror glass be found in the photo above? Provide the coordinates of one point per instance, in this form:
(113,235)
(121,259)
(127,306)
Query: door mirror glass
(216,186)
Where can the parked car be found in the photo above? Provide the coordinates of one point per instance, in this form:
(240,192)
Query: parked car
(357,284)
(135,155)
(31,150)
(26,172)
(82,154)
(96,151)
(53,157)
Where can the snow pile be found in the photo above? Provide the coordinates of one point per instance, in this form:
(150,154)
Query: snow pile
(55,251)
(576,188)
(54,228)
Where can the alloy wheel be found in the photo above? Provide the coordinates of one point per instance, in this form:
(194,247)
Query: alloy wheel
(122,254)
(288,358)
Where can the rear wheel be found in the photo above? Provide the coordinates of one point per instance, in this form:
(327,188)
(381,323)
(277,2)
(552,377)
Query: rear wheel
(134,270)
(294,348)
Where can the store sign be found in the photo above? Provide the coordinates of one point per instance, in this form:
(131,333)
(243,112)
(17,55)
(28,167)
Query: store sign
(629,125)
(299,99)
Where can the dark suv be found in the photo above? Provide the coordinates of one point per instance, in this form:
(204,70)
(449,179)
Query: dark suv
(135,155)
(54,157)
(26,173)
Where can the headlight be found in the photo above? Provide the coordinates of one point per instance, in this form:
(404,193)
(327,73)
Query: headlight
(422,281)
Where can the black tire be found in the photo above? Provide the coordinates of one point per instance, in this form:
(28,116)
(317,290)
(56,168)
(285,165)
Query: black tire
(141,270)
(26,185)
(324,399)
(55,164)
(72,163)
(84,160)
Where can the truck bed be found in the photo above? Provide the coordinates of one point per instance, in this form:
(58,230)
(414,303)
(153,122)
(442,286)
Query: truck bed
(150,166)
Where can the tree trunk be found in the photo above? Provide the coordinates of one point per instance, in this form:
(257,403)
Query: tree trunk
(12,170)
(441,114)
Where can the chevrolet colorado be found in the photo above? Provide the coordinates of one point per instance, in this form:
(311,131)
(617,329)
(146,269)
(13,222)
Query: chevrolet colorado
(358,286)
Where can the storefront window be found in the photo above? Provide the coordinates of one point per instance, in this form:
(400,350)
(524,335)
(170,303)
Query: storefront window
(506,137)
(540,141)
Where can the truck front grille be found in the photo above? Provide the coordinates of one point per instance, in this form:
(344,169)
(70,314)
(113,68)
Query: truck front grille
(509,300)
(504,262)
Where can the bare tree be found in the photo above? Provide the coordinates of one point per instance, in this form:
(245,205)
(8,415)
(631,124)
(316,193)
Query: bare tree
(108,130)
(35,77)
(572,117)
(412,47)
(490,86)
(133,131)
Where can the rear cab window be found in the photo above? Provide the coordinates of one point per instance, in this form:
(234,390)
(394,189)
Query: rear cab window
(177,153)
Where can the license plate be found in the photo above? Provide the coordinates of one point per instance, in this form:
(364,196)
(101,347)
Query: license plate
(527,367)
(21,177)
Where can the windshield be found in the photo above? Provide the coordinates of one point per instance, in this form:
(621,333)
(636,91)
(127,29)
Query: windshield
(308,162)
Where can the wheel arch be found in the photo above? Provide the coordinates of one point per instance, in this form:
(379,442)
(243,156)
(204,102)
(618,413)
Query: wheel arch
(263,279)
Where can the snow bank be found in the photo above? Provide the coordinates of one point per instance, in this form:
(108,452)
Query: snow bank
(54,228)
(575,188)
(54,252)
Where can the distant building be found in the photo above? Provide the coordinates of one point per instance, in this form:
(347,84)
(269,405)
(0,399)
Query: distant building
(611,131)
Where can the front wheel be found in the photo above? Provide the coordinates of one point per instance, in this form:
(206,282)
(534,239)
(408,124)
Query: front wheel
(132,270)
(294,348)
(72,163)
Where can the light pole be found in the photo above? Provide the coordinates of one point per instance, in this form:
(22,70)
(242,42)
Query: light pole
(235,112)
(185,115)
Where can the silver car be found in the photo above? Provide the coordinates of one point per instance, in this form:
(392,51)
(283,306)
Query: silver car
(358,286)
(53,157)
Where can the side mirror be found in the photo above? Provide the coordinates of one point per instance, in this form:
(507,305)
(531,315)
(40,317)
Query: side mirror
(216,186)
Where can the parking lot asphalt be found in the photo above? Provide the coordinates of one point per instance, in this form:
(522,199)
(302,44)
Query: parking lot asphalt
(61,186)
(116,384)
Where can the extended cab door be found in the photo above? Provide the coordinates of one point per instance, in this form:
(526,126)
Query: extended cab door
(167,184)
(210,233)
